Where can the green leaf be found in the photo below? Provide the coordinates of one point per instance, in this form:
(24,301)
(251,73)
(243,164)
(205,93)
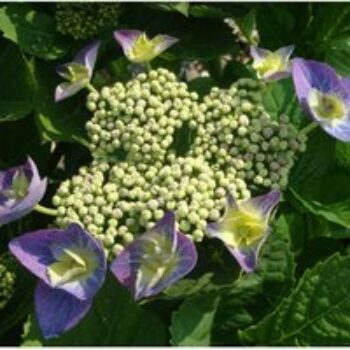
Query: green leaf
(192,323)
(337,213)
(337,55)
(328,28)
(342,155)
(275,25)
(181,7)
(58,121)
(205,11)
(17,87)
(33,31)
(201,85)
(311,170)
(197,41)
(280,98)
(114,319)
(316,313)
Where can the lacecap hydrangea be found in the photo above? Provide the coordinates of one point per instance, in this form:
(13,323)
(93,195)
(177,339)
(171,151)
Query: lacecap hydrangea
(156,147)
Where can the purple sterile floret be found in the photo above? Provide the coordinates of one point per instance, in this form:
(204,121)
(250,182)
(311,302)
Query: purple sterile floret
(259,54)
(157,259)
(39,250)
(21,189)
(312,76)
(231,228)
(58,311)
(138,48)
(126,38)
(83,65)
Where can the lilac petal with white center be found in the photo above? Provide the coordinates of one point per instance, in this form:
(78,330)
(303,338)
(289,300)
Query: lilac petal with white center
(244,227)
(58,311)
(70,260)
(88,55)
(21,189)
(324,96)
(156,260)
(309,74)
(127,38)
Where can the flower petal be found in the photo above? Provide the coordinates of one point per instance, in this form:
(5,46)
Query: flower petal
(88,55)
(340,131)
(58,311)
(156,260)
(163,42)
(126,38)
(66,89)
(13,209)
(286,51)
(309,74)
(38,251)
(248,258)
(267,202)
(258,53)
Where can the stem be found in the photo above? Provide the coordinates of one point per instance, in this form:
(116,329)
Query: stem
(309,128)
(148,66)
(90,88)
(46,211)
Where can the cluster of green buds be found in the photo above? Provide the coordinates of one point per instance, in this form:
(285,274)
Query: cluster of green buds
(84,21)
(141,168)
(7,280)
(116,203)
(240,137)
(138,121)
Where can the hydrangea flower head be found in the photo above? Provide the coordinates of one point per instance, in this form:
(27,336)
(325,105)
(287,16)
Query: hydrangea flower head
(324,96)
(21,188)
(245,227)
(271,65)
(138,48)
(71,266)
(157,259)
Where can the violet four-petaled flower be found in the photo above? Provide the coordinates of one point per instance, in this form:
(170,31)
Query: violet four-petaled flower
(78,72)
(271,65)
(244,227)
(324,96)
(21,188)
(71,266)
(157,259)
(138,48)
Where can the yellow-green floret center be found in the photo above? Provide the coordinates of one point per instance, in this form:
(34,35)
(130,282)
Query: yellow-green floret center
(327,106)
(74,264)
(270,64)
(243,227)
